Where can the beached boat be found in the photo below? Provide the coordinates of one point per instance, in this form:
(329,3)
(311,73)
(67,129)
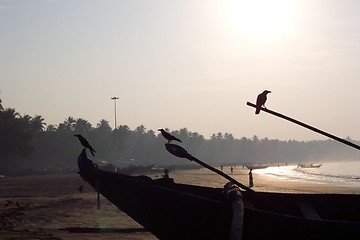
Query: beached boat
(171,210)
(259,166)
(303,165)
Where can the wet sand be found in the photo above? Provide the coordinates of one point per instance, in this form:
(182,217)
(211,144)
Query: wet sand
(51,206)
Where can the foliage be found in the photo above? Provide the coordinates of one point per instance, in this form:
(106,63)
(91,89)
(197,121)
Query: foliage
(26,143)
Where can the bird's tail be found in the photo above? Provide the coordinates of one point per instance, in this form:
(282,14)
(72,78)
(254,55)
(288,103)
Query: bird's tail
(178,140)
(257,111)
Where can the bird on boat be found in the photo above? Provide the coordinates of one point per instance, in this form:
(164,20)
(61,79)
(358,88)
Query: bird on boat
(85,143)
(168,136)
(260,101)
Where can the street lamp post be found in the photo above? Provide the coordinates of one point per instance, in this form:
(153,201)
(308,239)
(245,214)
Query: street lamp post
(115,98)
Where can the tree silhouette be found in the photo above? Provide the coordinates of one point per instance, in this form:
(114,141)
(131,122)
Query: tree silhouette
(38,123)
(103,127)
(24,143)
(15,136)
(51,128)
(69,124)
(82,126)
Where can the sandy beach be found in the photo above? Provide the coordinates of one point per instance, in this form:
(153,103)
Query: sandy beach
(52,207)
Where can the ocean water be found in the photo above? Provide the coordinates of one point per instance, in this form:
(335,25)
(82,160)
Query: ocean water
(342,173)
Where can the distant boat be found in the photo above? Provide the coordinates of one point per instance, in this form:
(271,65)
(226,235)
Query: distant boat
(131,169)
(136,169)
(303,165)
(256,166)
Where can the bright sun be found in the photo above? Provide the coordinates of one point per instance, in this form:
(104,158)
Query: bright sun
(262,20)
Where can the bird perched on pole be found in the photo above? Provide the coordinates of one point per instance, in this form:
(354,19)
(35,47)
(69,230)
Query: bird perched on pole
(85,143)
(168,136)
(260,101)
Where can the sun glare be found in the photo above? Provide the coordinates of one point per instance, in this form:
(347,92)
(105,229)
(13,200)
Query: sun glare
(262,20)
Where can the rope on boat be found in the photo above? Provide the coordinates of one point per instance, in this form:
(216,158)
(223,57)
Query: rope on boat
(98,187)
(233,193)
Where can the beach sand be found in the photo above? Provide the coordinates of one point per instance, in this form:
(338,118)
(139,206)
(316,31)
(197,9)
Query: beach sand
(51,206)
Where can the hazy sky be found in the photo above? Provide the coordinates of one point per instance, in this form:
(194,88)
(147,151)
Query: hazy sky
(185,63)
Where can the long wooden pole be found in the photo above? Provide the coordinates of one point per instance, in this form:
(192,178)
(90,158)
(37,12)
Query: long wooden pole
(307,126)
(192,158)
(181,152)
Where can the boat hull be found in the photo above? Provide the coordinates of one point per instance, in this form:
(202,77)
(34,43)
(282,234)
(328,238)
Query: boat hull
(309,165)
(253,167)
(179,211)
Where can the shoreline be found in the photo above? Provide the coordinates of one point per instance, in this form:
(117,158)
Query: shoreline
(262,182)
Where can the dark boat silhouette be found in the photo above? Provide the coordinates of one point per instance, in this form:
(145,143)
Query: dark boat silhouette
(171,210)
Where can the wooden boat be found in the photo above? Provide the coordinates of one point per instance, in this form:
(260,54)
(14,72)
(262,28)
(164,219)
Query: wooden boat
(135,169)
(253,167)
(303,165)
(171,210)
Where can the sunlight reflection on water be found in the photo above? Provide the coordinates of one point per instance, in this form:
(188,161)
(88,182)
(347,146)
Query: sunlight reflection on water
(339,173)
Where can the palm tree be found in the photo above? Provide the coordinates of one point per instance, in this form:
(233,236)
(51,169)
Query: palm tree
(15,136)
(38,124)
(103,125)
(184,134)
(140,130)
(82,126)
(103,128)
(25,122)
(51,128)
(10,114)
(69,123)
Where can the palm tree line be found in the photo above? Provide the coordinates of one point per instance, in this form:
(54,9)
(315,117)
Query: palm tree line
(28,142)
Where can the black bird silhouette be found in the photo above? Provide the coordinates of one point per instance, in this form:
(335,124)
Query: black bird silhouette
(85,143)
(168,136)
(260,101)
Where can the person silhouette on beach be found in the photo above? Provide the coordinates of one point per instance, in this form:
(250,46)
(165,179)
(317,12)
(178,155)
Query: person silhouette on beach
(166,173)
(251,180)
